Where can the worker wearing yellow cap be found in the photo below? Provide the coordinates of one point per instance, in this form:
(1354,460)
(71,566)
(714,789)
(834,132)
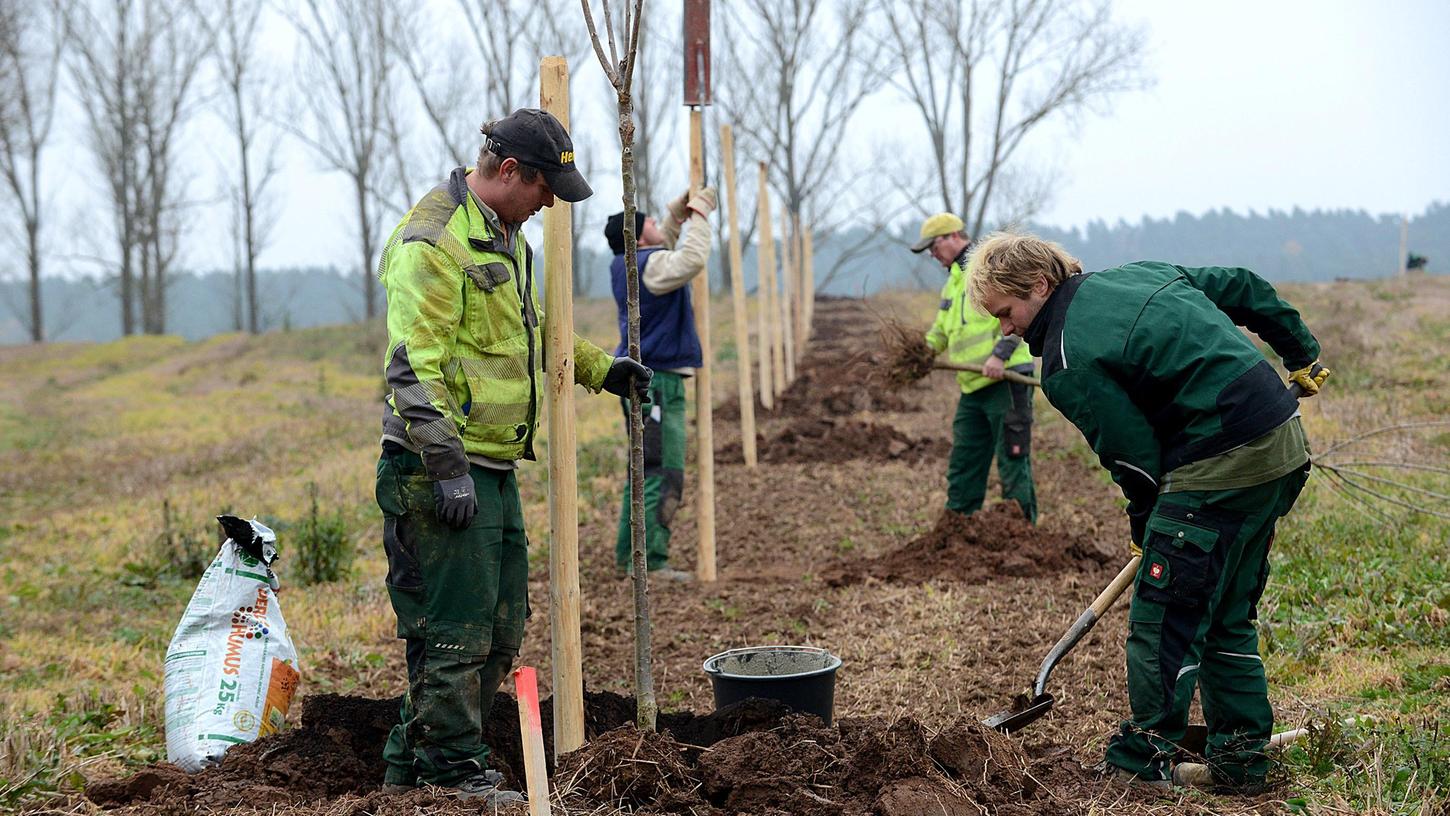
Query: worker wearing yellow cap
(993,416)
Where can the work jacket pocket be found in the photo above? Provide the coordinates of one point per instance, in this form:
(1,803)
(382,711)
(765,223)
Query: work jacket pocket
(1181,562)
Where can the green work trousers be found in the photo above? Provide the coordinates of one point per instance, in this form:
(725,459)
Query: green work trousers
(996,419)
(1192,623)
(461,597)
(664,470)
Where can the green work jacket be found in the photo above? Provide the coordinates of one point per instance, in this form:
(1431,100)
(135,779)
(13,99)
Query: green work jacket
(1147,361)
(465,352)
(968,336)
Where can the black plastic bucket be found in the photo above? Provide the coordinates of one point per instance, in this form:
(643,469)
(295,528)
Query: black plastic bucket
(801,677)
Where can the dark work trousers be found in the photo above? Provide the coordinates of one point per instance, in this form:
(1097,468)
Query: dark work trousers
(461,597)
(995,420)
(1205,563)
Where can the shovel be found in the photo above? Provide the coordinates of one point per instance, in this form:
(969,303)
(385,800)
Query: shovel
(1018,716)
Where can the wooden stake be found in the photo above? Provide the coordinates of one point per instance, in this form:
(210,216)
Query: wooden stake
(745,388)
(536,770)
(704,411)
(563,473)
(771,302)
(762,298)
(810,287)
(788,283)
(787,302)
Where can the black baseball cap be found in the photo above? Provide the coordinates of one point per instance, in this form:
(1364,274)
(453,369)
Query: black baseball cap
(534,137)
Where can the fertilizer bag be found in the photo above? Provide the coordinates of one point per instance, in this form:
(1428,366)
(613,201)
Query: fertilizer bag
(231,669)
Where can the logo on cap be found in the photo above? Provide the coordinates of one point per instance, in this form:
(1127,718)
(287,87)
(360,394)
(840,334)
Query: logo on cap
(566,157)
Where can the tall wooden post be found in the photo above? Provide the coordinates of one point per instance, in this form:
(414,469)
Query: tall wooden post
(563,475)
(808,251)
(770,302)
(788,284)
(1404,267)
(744,387)
(704,411)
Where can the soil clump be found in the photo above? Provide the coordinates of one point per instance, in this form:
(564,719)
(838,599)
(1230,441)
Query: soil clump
(831,439)
(993,542)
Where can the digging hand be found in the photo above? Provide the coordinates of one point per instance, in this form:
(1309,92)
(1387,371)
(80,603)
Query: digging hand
(1310,378)
(617,380)
(454,501)
(993,369)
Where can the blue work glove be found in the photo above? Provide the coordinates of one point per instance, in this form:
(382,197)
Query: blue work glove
(454,502)
(616,381)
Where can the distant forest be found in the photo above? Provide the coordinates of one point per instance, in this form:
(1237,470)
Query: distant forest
(1318,245)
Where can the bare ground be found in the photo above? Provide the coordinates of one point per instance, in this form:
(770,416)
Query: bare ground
(837,540)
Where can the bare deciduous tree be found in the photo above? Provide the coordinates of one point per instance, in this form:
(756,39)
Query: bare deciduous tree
(345,68)
(619,70)
(234,33)
(656,102)
(794,73)
(985,75)
(134,65)
(31,39)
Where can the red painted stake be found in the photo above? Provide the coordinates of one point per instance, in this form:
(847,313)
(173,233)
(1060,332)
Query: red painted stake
(536,770)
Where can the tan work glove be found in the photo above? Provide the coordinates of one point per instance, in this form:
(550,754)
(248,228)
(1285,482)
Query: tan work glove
(704,201)
(1310,378)
(679,207)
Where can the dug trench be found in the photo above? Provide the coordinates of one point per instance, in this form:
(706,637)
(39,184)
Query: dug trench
(940,621)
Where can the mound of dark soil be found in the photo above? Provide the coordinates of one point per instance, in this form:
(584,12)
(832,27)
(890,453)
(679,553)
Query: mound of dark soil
(995,541)
(861,766)
(838,440)
(337,749)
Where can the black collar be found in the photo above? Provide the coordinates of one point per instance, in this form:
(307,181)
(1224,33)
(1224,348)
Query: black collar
(1051,313)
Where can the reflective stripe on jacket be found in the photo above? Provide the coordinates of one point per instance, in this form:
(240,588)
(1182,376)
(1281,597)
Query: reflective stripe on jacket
(465,348)
(967,335)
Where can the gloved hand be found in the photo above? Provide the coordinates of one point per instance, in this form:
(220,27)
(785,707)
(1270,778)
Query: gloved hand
(454,501)
(1310,378)
(704,201)
(679,207)
(1134,550)
(616,381)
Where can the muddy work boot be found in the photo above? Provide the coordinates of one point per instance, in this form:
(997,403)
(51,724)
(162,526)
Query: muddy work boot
(1112,773)
(484,788)
(1198,775)
(672,574)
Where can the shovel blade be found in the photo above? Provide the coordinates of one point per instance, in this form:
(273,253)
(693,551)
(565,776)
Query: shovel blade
(1019,716)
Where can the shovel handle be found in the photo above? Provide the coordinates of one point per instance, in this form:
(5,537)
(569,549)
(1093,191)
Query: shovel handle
(1085,622)
(1009,375)
(1109,596)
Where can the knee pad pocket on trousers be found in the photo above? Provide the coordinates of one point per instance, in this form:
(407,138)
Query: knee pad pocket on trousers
(670,494)
(654,445)
(1183,555)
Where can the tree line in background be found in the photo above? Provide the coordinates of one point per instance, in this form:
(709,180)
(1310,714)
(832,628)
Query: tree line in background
(391,97)
(1283,246)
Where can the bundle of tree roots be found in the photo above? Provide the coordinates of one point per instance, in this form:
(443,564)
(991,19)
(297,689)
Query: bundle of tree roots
(908,357)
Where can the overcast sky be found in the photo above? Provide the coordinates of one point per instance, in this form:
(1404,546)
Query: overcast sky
(1255,105)
(1342,103)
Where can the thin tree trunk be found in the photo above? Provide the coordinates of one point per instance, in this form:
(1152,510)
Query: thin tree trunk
(365,231)
(37,327)
(646,707)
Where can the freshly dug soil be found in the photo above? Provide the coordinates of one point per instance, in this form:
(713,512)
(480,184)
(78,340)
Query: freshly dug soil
(830,439)
(861,766)
(337,749)
(995,541)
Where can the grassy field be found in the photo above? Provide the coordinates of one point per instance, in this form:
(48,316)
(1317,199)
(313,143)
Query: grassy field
(114,458)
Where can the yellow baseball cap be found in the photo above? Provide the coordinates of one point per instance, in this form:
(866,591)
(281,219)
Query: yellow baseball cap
(935,227)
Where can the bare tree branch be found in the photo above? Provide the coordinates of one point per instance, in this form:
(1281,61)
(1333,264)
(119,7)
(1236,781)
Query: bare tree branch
(345,66)
(1025,62)
(31,43)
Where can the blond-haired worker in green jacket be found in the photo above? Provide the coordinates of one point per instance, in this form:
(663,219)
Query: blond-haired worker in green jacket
(993,416)
(464,384)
